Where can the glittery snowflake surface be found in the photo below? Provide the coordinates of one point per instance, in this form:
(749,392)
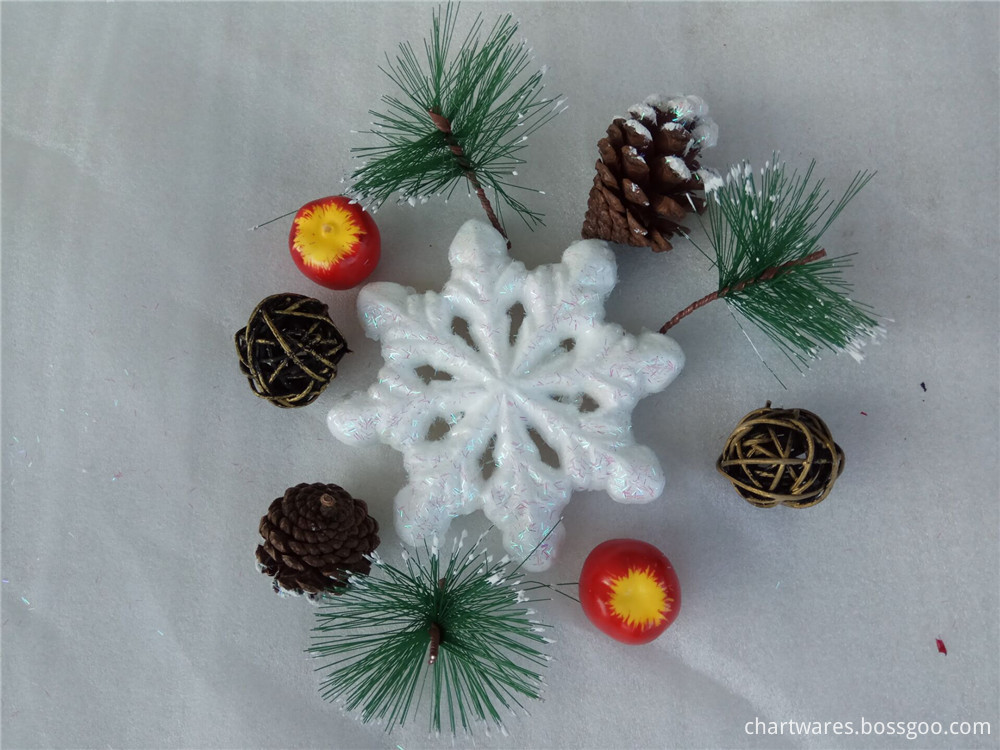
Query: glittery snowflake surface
(508,391)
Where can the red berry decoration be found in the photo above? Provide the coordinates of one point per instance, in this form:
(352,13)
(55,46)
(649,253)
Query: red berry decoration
(629,590)
(335,242)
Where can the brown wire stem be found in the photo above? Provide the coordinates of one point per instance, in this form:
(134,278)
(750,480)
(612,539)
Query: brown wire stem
(435,631)
(444,125)
(769,274)
(432,657)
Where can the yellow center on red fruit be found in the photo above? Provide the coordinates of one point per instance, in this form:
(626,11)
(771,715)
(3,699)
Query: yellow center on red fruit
(326,233)
(638,598)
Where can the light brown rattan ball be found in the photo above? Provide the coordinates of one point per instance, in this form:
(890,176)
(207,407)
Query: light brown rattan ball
(781,457)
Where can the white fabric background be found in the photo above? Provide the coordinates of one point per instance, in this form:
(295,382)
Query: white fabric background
(140,141)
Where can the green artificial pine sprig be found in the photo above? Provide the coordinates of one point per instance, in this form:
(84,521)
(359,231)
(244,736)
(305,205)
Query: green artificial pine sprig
(765,235)
(462,115)
(455,627)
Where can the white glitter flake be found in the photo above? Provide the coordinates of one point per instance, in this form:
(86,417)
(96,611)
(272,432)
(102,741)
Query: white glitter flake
(706,133)
(710,179)
(533,402)
(643,112)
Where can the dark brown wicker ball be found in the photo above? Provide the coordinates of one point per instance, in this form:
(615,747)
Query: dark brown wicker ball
(289,349)
(781,457)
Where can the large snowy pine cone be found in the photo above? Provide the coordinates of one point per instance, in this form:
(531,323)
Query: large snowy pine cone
(648,176)
(315,536)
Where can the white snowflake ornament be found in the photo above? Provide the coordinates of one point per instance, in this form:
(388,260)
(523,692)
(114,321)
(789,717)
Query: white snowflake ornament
(508,391)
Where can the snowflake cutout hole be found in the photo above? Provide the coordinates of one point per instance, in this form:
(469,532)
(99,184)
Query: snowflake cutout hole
(507,391)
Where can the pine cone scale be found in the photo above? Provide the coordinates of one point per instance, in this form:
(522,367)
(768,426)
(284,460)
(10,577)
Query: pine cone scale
(605,176)
(611,200)
(668,208)
(635,169)
(672,140)
(609,154)
(636,135)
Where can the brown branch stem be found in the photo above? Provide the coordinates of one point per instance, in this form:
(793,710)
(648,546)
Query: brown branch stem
(435,631)
(435,643)
(444,125)
(769,274)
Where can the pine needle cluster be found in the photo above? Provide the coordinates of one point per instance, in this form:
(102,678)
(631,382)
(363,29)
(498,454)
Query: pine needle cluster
(455,628)
(462,114)
(765,231)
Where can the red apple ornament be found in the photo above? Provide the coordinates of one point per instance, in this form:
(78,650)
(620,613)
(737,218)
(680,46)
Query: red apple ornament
(629,590)
(335,242)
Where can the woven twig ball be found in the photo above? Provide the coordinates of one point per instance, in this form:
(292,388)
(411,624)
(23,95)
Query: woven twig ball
(289,349)
(781,457)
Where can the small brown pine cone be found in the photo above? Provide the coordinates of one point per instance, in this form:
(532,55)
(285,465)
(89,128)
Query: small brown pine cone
(315,536)
(648,177)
